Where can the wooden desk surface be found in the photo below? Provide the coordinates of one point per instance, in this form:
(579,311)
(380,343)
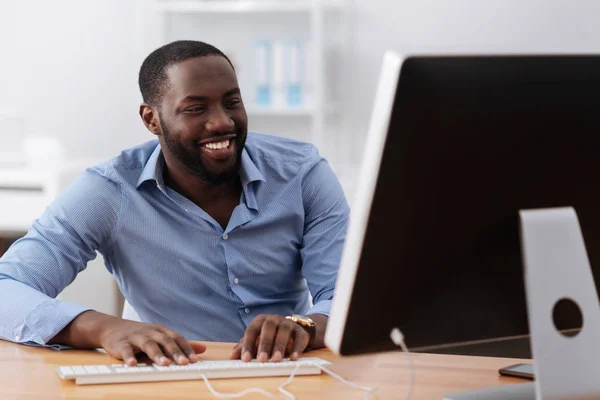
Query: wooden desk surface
(30,373)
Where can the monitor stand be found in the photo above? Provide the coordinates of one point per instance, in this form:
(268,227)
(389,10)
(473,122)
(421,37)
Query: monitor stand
(557,274)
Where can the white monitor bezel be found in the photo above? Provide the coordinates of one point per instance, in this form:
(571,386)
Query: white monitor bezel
(363,198)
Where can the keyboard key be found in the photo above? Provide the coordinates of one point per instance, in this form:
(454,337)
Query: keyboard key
(125,370)
(90,369)
(66,371)
(79,370)
(103,369)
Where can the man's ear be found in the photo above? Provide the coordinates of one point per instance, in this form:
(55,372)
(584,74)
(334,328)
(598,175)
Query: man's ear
(149,116)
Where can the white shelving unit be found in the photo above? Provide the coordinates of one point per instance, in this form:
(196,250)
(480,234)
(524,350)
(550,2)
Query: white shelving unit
(24,195)
(244,6)
(232,26)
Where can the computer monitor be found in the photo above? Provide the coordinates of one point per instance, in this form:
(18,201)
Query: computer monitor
(458,145)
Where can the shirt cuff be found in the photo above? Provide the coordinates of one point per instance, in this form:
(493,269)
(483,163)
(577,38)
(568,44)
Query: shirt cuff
(48,346)
(322,307)
(47,320)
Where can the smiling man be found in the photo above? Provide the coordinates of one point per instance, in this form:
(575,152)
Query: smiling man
(213,233)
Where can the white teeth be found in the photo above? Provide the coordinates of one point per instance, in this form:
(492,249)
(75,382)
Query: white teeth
(217,145)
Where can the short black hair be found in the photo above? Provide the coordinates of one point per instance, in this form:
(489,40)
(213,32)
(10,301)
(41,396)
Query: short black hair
(153,73)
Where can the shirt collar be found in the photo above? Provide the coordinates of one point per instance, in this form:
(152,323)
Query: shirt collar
(154,168)
(248,170)
(249,173)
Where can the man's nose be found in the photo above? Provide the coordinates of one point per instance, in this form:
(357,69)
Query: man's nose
(220,121)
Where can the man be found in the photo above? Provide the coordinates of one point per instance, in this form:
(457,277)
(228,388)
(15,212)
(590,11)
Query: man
(211,233)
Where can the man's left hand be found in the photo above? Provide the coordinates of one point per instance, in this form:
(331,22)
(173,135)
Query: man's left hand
(271,337)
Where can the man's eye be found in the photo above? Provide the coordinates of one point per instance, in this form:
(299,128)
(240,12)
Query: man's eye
(195,109)
(233,102)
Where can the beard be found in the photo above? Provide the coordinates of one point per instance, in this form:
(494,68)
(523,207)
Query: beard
(193,162)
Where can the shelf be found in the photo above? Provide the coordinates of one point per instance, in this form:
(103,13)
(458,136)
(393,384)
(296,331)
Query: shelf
(279,111)
(241,6)
(300,111)
(308,20)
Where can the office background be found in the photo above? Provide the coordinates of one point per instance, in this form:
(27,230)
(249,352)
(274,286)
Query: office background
(69,70)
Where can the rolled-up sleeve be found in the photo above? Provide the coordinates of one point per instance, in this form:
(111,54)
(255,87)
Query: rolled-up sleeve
(326,220)
(57,247)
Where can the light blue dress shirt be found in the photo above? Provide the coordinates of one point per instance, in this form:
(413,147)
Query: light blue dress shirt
(173,262)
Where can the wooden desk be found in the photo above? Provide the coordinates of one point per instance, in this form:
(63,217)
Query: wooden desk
(28,373)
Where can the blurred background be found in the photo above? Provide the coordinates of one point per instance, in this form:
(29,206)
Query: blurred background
(307,69)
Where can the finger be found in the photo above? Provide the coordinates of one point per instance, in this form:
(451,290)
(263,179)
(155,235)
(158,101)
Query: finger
(152,350)
(198,347)
(237,351)
(250,337)
(284,331)
(126,353)
(248,355)
(267,337)
(186,346)
(170,348)
(289,347)
(301,339)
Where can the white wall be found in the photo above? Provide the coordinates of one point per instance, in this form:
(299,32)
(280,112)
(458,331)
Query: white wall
(458,26)
(71,67)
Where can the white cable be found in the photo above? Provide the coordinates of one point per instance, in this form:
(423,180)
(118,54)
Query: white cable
(398,339)
(238,394)
(366,389)
(289,380)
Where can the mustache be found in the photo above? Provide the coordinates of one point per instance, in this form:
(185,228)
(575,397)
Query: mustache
(214,135)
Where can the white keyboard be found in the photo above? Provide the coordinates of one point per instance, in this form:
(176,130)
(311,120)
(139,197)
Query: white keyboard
(121,373)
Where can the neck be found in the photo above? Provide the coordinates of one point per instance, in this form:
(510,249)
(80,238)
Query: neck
(198,190)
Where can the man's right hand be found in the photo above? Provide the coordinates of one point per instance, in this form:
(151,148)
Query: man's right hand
(123,339)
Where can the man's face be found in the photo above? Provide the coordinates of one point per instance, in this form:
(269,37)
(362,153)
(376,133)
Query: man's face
(203,120)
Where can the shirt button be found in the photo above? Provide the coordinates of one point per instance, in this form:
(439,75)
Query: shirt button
(236,281)
(17,338)
(225,236)
(247,310)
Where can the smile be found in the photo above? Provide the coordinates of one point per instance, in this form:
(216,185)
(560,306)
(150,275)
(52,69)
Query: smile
(217,145)
(219,148)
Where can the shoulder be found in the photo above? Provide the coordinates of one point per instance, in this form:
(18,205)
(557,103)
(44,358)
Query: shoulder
(128,165)
(281,158)
(277,148)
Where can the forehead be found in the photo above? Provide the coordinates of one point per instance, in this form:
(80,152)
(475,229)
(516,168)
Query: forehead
(201,76)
